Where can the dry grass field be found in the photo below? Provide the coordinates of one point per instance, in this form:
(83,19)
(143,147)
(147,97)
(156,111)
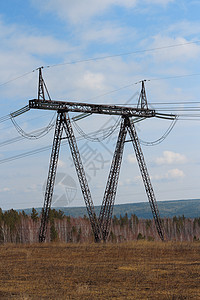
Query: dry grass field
(134,270)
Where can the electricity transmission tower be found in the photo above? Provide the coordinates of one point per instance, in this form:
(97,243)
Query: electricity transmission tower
(100,225)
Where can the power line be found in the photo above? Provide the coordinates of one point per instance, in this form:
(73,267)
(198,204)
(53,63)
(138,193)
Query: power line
(29,119)
(110,56)
(22,155)
(46,129)
(15,114)
(26,108)
(37,134)
(193,109)
(106,133)
(16,78)
(174,77)
(162,138)
(122,54)
(39,150)
(174,103)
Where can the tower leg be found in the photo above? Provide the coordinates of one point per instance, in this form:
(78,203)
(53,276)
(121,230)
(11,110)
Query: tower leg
(146,178)
(82,178)
(51,177)
(105,215)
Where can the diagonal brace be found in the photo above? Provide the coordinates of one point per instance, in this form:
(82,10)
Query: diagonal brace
(51,176)
(82,178)
(106,211)
(146,178)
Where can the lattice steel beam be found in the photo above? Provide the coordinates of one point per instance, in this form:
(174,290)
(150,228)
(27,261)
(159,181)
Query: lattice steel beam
(42,87)
(106,211)
(146,178)
(82,178)
(41,95)
(51,176)
(142,102)
(91,108)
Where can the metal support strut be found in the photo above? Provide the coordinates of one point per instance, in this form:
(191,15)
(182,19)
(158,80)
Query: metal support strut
(105,215)
(142,102)
(51,176)
(42,87)
(146,178)
(63,121)
(82,178)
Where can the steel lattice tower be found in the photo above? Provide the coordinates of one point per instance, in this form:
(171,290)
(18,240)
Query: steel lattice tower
(100,225)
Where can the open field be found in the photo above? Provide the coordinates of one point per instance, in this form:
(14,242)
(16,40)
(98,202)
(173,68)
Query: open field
(134,270)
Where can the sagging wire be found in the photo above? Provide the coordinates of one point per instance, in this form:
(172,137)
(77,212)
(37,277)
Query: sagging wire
(44,131)
(15,114)
(163,137)
(105,133)
(40,133)
(42,149)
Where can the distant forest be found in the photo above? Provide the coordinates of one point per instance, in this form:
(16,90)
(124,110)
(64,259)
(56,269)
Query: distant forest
(18,227)
(189,208)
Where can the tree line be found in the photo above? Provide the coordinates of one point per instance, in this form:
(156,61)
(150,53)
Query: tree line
(19,227)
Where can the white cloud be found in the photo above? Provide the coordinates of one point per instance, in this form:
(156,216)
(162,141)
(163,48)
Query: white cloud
(169,175)
(131,159)
(184,28)
(6,189)
(160,2)
(39,45)
(175,173)
(78,11)
(170,157)
(92,80)
(176,54)
(88,80)
(15,38)
(128,182)
(106,33)
(21,52)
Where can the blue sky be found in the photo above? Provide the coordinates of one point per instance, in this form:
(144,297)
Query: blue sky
(37,33)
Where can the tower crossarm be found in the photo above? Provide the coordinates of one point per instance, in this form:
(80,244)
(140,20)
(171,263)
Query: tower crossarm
(146,178)
(106,210)
(82,178)
(91,108)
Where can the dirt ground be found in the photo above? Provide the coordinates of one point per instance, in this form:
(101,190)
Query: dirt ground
(134,270)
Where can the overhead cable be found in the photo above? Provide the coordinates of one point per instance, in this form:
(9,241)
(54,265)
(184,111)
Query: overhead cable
(18,77)
(105,132)
(15,114)
(110,56)
(122,54)
(162,138)
(37,134)
(41,149)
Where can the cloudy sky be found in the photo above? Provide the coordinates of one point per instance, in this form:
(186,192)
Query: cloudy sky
(156,40)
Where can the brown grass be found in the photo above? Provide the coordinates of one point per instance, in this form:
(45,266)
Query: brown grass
(134,270)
